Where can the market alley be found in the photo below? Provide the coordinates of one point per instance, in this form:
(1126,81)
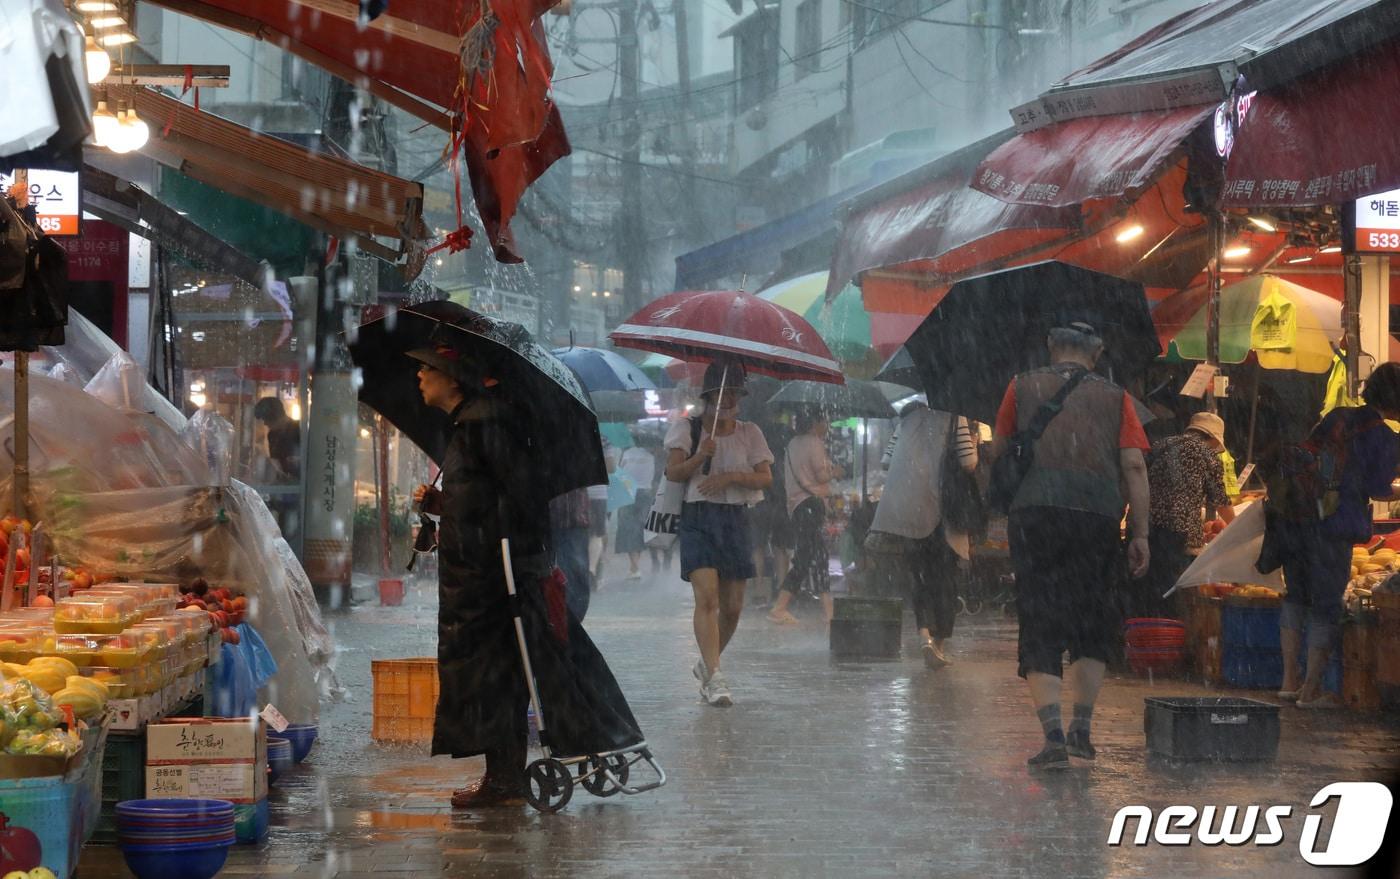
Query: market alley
(819,769)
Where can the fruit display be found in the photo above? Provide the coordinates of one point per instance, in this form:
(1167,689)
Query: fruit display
(226,608)
(101,614)
(1371,566)
(31,722)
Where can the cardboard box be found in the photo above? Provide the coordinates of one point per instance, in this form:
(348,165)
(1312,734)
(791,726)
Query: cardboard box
(220,758)
(235,782)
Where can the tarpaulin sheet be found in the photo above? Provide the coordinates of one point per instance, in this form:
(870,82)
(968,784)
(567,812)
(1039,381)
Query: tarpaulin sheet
(1114,157)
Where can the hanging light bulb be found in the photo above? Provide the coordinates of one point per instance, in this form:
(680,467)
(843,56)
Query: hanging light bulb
(99,63)
(138,132)
(104,124)
(120,141)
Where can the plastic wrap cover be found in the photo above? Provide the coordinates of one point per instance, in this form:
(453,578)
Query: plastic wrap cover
(77,443)
(86,352)
(228,537)
(211,437)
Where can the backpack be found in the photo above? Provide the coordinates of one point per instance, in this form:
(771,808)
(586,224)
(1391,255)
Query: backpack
(1307,481)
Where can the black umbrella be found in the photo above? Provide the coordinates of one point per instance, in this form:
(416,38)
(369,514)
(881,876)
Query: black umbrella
(988,329)
(900,370)
(563,447)
(854,399)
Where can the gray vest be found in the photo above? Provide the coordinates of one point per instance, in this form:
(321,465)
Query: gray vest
(1076,459)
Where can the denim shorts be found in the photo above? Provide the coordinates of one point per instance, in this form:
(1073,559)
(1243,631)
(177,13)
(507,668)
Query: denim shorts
(716,536)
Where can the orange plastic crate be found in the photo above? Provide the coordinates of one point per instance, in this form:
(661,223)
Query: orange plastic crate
(405,699)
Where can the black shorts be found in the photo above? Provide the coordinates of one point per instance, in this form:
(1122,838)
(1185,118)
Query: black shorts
(1068,569)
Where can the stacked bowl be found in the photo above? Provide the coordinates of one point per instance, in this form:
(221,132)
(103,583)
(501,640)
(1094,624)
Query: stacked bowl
(1155,645)
(279,757)
(302,736)
(175,839)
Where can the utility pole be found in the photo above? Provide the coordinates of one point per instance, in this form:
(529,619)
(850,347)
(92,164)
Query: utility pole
(692,206)
(631,238)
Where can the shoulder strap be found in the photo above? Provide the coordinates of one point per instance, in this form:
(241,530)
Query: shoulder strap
(695,429)
(1051,407)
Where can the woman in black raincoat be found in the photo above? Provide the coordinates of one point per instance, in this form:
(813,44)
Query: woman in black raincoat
(488,493)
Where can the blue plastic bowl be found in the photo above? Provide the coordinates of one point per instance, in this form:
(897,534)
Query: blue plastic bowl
(302,736)
(175,808)
(188,861)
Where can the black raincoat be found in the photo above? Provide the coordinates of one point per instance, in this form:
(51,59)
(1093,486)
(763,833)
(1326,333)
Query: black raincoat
(488,493)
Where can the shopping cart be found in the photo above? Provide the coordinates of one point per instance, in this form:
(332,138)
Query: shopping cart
(550,780)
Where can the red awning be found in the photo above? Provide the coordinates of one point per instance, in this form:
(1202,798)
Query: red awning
(1101,157)
(939,219)
(1323,139)
(510,129)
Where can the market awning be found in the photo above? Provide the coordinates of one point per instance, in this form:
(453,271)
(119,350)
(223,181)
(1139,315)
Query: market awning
(1194,58)
(128,206)
(1323,139)
(329,194)
(932,214)
(412,56)
(1101,157)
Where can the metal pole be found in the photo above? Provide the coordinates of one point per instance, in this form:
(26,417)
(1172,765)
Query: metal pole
(631,227)
(520,637)
(21,423)
(1351,322)
(1217,244)
(381,485)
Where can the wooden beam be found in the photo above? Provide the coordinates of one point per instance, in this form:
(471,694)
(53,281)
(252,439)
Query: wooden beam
(207,76)
(260,30)
(349,10)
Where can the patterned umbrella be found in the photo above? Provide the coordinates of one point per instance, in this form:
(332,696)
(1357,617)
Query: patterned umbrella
(731,325)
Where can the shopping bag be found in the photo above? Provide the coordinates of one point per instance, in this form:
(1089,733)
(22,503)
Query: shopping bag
(1230,557)
(664,519)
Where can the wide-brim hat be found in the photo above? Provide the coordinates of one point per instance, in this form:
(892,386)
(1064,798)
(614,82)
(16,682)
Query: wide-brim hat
(724,377)
(1210,424)
(451,362)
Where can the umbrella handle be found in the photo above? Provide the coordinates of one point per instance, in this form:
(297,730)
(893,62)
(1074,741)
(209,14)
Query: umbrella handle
(723,377)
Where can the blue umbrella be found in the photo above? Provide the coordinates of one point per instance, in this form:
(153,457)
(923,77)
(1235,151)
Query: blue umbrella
(601,370)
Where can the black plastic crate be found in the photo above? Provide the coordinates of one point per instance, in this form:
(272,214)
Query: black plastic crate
(866,639)
(1221,729)
(123,778)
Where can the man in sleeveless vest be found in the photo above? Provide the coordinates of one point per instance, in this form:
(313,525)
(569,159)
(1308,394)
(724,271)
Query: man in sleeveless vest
(1065,531)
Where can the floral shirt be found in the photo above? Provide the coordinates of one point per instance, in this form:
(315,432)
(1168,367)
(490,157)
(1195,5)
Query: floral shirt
(1185,475)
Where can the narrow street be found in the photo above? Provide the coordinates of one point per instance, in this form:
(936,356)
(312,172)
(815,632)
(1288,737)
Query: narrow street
(820,769)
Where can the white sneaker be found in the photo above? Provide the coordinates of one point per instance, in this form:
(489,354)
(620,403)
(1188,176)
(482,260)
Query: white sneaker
(716,691)
(701,673)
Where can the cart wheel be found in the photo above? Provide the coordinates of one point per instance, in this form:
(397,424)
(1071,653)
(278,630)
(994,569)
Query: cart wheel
(548,786)
(598,784)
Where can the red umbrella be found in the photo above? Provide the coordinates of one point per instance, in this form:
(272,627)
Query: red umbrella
(731,325)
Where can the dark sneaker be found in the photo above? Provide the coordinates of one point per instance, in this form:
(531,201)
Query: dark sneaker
(1078,745)
(1052,756)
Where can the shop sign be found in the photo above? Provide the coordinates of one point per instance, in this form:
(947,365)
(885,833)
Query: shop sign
(55,196)
(1377,228)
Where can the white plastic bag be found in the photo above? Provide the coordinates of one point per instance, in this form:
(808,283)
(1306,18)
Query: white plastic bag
(664,519)
(1230,557)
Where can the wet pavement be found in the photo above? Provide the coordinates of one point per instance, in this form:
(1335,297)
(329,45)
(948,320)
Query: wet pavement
(820,769)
